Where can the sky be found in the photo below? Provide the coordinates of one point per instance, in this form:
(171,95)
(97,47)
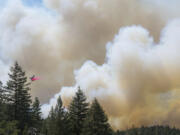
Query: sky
(124,52)
(27,2)
(33,2)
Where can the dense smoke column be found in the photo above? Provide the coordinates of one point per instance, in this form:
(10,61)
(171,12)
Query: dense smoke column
(58,39)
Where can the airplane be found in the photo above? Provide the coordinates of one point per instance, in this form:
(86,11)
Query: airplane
(33,78)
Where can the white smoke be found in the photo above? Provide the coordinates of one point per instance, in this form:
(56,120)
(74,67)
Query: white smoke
(54,40)
(138,78)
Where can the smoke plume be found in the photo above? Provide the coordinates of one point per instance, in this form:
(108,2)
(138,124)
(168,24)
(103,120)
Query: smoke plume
(140,81)
(67,43)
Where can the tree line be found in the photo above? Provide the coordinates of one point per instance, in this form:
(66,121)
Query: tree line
(19,115)
(17,111)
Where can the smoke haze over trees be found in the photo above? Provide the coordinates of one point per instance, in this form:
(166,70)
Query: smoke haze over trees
(20,116)
(125,53)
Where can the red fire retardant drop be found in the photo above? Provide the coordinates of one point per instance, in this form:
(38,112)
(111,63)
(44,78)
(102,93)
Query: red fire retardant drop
(35,78)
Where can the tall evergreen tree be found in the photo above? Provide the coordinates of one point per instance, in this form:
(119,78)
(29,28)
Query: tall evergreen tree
(78,110)
(1,92)
(3,105)
(57,121)
(36,109)
(97,121)
(51,125)
(61,118)
(19,96)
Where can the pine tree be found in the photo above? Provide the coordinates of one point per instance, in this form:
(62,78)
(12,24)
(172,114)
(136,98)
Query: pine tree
(97,121)
(61,118)
(3,105)
(57,121)
(77,112)
(36,110)
(19,97)
(1,93)
(51,125)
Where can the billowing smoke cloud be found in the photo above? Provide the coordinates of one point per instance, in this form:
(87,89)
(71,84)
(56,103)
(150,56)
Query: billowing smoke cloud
(140,81)
(54,40)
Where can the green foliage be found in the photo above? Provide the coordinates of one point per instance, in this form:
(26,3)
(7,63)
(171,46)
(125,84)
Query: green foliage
(19,97)
(44,128)
(51,124)
(25,131)
(3,105)
(1,93)
(3,111)
(97,121)
(8,128)
(57,122)
(61,118)
(78,110)
(153,130)
(36,114)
